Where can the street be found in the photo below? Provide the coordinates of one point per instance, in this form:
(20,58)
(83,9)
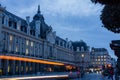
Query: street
(92,76)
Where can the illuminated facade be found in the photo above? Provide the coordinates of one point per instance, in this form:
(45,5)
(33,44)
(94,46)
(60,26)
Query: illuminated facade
(82,54)
(100,57)
(30,47)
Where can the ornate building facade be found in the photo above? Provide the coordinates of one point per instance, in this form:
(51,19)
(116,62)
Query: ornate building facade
(100,57)
(30,47)
(82,54)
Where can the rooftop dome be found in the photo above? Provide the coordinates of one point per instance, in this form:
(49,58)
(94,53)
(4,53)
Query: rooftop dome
(38,16)
(81,44)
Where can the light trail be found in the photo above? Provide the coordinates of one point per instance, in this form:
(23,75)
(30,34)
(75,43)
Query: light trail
(30,60)
(37,77)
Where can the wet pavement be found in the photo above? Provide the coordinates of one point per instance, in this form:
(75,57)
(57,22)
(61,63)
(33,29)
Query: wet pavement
(92,76)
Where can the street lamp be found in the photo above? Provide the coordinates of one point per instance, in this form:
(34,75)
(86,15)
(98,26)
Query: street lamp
(83,60)
(82,65)
(82,56)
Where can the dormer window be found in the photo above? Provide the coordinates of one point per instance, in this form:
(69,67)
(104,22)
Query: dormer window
(10,23)
(23,28)
(15,25)
(3,19)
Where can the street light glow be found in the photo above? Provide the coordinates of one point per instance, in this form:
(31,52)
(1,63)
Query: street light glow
(30,60)
(82,55)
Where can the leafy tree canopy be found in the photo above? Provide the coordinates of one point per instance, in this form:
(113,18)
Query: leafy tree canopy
(110,16)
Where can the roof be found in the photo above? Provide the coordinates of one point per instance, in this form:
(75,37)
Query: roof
(15,18)
(79,44)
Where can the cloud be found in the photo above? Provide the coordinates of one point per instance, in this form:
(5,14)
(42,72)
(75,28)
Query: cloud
(56,7)
(70,7)
(74,19)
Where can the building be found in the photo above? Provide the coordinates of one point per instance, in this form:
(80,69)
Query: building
(82,54)
(113,62)
(31,47)
(100,57)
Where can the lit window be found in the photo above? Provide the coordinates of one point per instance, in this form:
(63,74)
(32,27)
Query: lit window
(30,68)
(26,51)
(98,62)
(98,56)
(11,37)
(31,44)
(27,42)
(104,56)
(8,68)
(98,59)
(10,47)
(101,56)
(16,68)
(16,49)
(21,68)
(26,68)
(104,62)
(18,27)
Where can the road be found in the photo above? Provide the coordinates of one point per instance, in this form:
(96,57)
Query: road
(92,76)
(59,76)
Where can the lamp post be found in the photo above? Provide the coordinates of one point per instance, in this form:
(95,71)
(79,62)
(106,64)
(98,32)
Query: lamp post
(83,60)
(82,72)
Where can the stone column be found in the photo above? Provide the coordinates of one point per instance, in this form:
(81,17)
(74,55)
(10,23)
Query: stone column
(5,67)
(1,14)
(33,68)
(45,50)
(19,67)
(37,67)
(13,67)
(29,65)
(24,67)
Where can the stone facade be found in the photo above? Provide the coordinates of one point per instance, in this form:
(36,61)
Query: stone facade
(32,40)
(100,57)
(82,54)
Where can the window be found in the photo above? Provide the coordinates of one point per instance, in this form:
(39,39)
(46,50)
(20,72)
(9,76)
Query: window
(15,25)
(10,47)
(10,23)
(3,19)
(98,59)
(31,44)
(26,51)
(104,59)
(26,68)
(27,42)
(104,56)
(18,27)
(16,49)
(11,37)
(16,68)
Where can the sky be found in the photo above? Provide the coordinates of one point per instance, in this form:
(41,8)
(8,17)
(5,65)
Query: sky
(73,19)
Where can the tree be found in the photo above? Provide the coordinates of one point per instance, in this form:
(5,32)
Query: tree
(110,16)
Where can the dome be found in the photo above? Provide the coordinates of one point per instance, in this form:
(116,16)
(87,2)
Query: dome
(38,16)
(81,44)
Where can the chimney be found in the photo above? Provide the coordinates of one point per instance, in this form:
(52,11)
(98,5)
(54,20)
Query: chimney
(28,19)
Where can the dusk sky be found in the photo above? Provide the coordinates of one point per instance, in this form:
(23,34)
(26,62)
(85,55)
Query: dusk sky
(73,19)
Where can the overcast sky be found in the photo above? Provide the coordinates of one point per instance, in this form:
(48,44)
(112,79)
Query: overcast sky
(73,19)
